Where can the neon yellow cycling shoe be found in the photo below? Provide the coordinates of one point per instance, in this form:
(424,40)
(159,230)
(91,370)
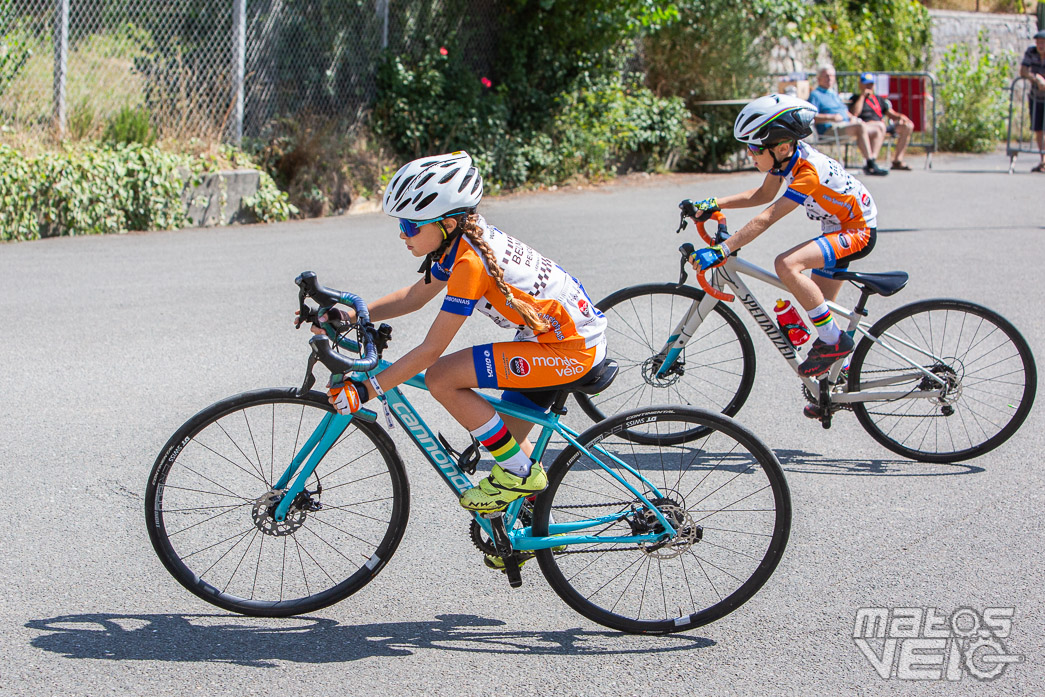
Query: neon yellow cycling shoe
(501,488)
(497,563)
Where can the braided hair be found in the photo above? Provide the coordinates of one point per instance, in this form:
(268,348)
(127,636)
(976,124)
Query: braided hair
(522,303)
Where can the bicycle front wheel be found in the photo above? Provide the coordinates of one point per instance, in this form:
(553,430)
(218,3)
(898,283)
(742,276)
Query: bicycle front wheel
(725,495)
(210,498)
(987,368)
(715,371)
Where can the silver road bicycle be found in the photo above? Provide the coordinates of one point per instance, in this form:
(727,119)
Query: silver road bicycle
(936,380)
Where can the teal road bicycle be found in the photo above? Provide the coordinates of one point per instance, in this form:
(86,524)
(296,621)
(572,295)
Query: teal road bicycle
(269,503)
(937,380)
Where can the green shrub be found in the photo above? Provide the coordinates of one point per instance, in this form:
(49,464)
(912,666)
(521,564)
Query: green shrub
(973,97)
(94,189)
(873,34)
(130,125)
(605,124)
(611,127)
(548,48)
(436,104)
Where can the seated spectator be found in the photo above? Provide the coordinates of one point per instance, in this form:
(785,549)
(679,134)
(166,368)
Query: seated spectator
(832,113)
(873,110)
(1033,68)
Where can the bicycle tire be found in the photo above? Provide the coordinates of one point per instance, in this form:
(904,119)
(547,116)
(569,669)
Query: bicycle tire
(208,494)
(986,361)
(715,371)
(726,493)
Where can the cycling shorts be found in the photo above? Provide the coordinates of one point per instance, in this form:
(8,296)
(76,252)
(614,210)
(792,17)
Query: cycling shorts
(514,365)
(841,247)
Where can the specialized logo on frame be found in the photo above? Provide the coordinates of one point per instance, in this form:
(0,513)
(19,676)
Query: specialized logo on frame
(916,643)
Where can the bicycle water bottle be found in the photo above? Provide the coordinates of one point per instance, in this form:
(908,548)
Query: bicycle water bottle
(790,323)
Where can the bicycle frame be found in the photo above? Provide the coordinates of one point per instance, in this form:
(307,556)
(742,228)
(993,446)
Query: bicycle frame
(729,274)
(333,425)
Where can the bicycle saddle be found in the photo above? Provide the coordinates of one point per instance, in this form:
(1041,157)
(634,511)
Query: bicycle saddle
(882,283)
(597,379)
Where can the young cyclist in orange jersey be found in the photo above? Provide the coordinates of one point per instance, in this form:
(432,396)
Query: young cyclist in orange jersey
(558,330)
(773,127)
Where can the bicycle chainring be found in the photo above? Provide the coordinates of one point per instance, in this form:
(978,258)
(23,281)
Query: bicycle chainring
(484,544)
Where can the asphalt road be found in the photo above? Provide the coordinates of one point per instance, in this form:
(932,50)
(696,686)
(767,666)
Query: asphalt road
(109,343)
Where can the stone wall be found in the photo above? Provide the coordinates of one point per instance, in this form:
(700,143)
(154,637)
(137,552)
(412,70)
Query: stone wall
(1004,32)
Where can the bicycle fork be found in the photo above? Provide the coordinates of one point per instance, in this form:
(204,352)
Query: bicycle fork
(322,439)
(664,361)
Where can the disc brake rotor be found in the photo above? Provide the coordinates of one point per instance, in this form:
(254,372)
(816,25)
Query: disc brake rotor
(265,507)
(649,372)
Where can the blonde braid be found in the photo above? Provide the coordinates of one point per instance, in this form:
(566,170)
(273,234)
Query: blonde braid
(524,305)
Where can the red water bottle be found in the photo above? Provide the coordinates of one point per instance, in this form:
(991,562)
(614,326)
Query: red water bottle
(790,323)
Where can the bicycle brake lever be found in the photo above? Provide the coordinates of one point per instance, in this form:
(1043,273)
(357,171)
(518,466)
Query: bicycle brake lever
(310,379)
(682,223)
(687,251)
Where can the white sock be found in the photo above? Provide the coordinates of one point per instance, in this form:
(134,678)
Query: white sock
(824,322)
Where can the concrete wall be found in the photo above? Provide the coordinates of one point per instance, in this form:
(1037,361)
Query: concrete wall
(218,198)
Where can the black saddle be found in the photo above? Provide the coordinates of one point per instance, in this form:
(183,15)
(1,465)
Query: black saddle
(881,283)
(594,382)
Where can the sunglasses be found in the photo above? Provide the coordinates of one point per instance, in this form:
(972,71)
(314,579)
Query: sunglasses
(757,149)
(410,228)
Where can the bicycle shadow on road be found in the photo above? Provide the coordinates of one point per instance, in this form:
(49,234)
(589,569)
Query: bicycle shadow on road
(264,643)
(805,462)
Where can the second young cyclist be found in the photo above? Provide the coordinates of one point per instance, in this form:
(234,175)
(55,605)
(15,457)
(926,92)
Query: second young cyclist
(558,331)
(773,128)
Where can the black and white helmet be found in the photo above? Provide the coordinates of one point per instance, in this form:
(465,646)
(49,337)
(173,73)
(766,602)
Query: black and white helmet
(774,118)
(434,187)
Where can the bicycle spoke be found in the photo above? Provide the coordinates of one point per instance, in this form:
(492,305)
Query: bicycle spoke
(666,583)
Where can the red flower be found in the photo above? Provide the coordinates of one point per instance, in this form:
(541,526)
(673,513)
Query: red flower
(486,82)
(443,51)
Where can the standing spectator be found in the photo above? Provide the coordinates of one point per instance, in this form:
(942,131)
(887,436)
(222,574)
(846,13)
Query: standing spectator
(873,110)
(832,113)
(1033,68)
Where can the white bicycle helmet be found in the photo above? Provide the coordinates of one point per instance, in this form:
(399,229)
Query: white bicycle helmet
(434,187)
(774,118)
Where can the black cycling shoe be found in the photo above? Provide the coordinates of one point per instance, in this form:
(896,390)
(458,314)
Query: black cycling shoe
(822,356)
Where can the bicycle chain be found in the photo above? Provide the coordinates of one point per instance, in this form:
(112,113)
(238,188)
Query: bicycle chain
(637,548)
(849,407)
(905,416)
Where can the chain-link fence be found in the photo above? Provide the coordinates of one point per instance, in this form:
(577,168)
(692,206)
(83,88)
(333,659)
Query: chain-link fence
(211,69)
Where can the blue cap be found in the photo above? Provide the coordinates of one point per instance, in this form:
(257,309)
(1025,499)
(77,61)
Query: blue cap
(1040,34)
(866,78)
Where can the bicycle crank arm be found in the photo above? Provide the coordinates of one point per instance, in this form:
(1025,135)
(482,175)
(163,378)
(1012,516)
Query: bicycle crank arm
(504,548)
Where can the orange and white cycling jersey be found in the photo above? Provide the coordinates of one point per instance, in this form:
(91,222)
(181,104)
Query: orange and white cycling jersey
(575,322)
(829,193)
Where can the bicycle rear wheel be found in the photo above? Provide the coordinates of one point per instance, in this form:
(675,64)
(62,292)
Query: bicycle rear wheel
(210,496)
(987,366)
(715,371)
(725,495)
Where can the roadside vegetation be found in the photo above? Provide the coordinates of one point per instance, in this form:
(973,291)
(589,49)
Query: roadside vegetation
(573,91)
